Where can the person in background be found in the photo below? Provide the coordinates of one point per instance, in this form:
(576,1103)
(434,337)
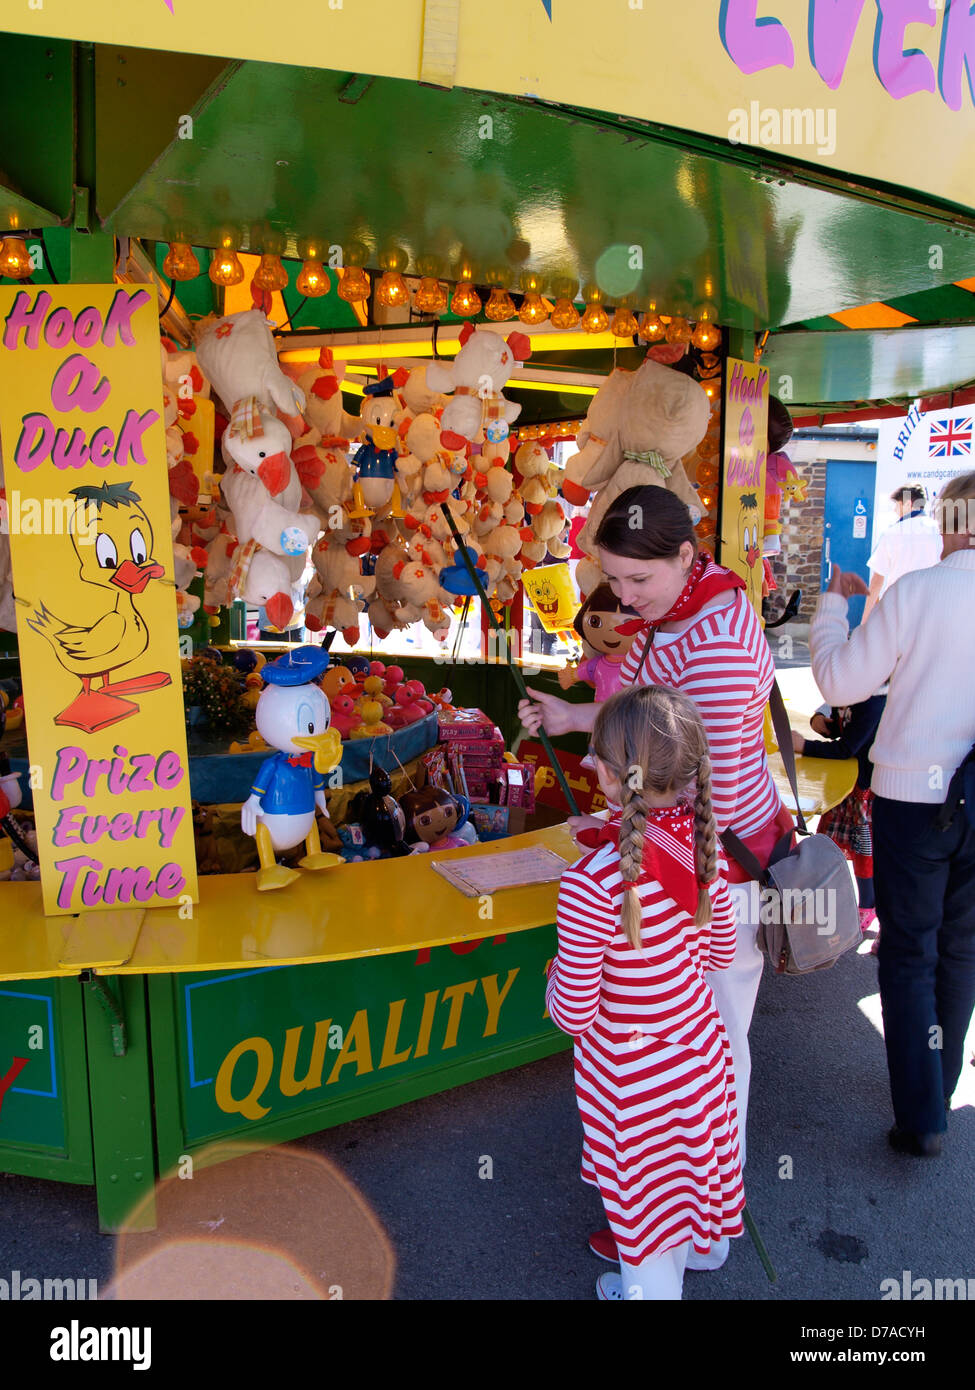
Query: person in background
(850,733)
(922,637)
(912,543)
(641,917)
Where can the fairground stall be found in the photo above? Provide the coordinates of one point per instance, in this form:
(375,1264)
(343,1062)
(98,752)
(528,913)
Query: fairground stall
(306,362)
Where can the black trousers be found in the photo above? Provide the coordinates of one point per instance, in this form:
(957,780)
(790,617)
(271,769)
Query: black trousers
(924,879)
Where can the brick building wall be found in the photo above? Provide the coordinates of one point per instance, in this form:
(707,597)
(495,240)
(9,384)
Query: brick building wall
(800,564)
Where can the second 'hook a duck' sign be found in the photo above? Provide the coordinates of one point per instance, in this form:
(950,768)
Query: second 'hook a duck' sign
(84,448)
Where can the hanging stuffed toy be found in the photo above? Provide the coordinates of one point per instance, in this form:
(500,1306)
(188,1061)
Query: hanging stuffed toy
(663,415)
(238,357)
(376,486)
(475,378)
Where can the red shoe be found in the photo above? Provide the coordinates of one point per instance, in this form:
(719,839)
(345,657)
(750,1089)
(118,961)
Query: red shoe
(868,917)
(603,1244)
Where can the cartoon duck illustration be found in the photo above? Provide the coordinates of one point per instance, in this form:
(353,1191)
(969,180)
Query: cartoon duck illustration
(375,460)
(293,716)
(117,560)
(748,533)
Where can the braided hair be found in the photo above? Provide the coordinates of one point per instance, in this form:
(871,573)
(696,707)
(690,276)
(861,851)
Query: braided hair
(653,741)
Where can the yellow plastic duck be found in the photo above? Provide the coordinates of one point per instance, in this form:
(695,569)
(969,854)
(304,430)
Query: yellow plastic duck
(372,725)
(118,560)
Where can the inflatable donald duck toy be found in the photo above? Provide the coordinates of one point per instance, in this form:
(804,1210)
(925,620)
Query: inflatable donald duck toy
(293,716)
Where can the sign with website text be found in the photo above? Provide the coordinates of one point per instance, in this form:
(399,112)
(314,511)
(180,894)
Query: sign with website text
(921,449)
(746,393)
(87,500)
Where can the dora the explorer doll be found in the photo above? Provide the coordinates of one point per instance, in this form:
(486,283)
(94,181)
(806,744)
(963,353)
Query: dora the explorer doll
(433,816)
(597,624)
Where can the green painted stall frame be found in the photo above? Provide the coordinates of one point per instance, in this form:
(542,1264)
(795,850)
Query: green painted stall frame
(300,1048)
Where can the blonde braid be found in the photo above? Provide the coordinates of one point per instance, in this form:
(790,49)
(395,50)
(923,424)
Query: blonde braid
(633,827)
(705,839)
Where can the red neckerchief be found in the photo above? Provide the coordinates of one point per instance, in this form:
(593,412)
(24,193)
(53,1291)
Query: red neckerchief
(302,760)
(706,579)
(668,851)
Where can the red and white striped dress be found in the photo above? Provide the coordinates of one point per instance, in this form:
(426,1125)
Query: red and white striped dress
(723,663)
(653,1071)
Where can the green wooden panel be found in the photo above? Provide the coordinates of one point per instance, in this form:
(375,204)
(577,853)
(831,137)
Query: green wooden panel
(235,1042)
(36,118)
(121,1104)
(141,96)
(278,155)
(45,1125)
(870,365)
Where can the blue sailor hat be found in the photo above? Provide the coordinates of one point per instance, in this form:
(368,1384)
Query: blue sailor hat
(300,666)
(380,388)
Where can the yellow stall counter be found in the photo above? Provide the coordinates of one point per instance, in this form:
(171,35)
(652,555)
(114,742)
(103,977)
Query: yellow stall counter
(822,782)
(353,910)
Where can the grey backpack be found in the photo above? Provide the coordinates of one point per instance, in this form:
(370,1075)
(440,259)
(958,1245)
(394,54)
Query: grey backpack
(808,915)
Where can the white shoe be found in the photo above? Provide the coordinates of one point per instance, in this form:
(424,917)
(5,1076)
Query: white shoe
(715,1257)
(609,1286)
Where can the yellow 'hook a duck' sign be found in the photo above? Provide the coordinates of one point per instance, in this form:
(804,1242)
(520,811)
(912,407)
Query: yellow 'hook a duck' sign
(87,507)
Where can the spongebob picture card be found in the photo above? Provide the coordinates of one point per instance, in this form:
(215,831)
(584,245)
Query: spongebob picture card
(745,456)
(87,507)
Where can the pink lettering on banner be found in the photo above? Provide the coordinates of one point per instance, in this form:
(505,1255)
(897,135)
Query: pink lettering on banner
(132,884)
(832,24)
(40,440)
(78,385)
(59,327)
(957,53)
(902,72)
(746,429)
(751,43)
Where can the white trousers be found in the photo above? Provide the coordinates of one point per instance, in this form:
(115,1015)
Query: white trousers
(659,1277)
(735,991)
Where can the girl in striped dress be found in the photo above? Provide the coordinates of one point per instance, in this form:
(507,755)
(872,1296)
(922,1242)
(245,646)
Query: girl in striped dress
(641,916)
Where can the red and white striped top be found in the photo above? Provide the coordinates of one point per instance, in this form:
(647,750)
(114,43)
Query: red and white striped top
(653,1069)
(723,663)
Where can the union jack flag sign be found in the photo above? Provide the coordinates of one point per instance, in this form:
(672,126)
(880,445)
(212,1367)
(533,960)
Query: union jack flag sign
(949,438)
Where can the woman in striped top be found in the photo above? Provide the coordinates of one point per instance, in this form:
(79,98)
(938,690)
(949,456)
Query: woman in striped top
(641,917)
(703,637)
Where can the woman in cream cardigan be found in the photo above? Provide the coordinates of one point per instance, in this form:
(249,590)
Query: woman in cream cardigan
(922,636)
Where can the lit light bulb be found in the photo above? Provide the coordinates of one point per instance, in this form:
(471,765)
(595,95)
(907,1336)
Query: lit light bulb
(678,331)
(270,274)
(180,262)
(466,301)
(431,296)
(500,305)
(706,336)
(225,267)
(15,261)
(595,319)
(533,308)
(391,290)
(652,327)
(313,280)
(354,285)
(565,315)
(624,325)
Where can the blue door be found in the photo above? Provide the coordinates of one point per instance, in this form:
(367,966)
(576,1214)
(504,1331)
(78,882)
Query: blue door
(848,522)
